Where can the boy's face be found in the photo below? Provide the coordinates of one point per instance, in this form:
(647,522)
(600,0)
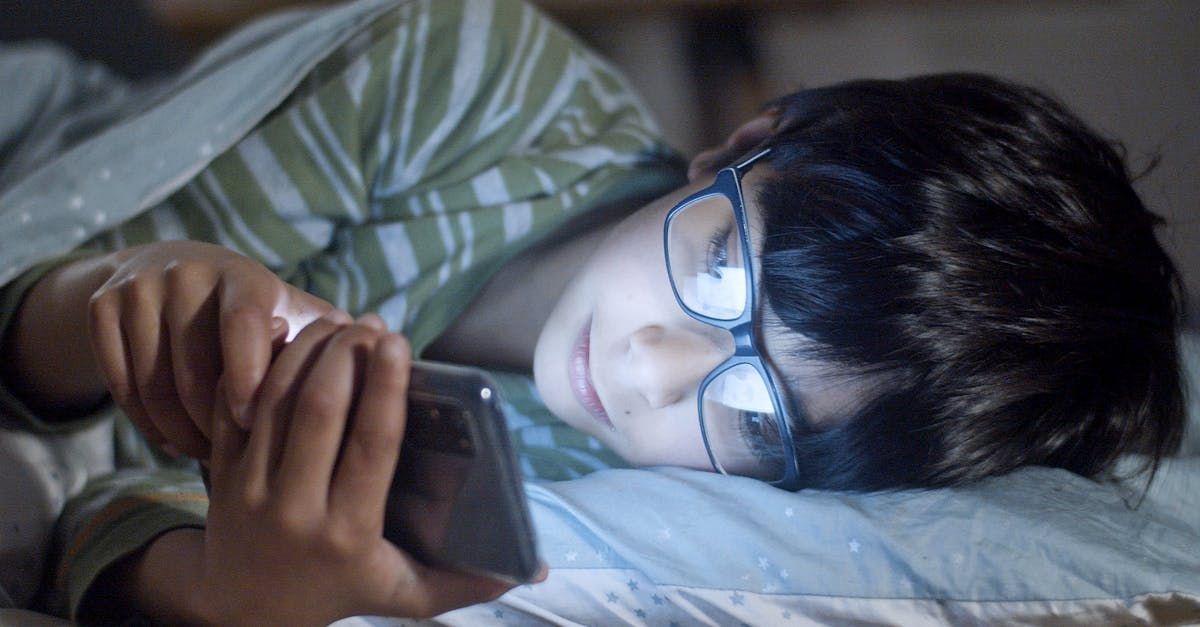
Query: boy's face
(619,359)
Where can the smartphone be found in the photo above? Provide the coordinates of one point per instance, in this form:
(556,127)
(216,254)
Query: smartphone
(457,499)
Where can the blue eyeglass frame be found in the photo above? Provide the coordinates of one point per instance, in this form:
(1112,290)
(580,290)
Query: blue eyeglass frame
(729,184)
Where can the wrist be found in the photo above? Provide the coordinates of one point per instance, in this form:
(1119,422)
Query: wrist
(163,581)
(48,356)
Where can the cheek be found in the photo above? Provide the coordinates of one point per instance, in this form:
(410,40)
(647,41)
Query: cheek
(666,440)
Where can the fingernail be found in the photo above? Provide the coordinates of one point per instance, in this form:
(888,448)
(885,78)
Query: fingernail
(277,323)
(391,348)
(337,316)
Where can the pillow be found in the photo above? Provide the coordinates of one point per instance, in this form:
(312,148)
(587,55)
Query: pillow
(671,546)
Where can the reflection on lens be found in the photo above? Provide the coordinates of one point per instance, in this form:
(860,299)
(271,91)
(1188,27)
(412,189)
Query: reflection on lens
(740,424)
(705,258)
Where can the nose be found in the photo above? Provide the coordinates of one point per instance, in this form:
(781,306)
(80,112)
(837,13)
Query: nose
(666,364)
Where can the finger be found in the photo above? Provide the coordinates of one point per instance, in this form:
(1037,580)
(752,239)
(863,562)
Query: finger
(319,417)
(154,383)
(301,309)
(108,344)
(368,460)
(247,296)
(372,320)
(427,591)
(276,399)
(228,447)
(191,320)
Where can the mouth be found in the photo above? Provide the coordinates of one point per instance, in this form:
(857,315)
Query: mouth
(579,370)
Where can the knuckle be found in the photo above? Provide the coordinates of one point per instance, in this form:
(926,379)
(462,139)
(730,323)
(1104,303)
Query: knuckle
(355,337)
(272,390)
(139,292)
(318,403)
(371,445)
(289,520)
(185,273)
(341,541)
(241,314)
(250,499)
(103,303)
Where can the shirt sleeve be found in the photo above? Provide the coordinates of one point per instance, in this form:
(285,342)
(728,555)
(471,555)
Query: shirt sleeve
(14,411)
(420,157)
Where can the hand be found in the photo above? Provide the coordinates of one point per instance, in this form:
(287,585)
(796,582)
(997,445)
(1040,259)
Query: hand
(175,316)
(746,136)
(295,524)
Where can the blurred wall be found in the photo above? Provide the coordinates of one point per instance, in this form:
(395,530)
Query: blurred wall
(1130,69)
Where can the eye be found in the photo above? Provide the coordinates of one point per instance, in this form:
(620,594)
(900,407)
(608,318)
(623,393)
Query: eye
(718,251)
(760,434)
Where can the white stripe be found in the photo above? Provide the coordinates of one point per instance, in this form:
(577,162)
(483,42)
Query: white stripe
(597,155)
(281,192)
(356,78)
(389,102)
(434,198)
(490,188)
(625,95)
(349,166)
(543,178)
(341,299)
(265,253)
(447,234)
(220,235)
(532,59)
(350,261)
(166,222)
(271,177)
(318,155)
(518,220)
(468,234)
(558,96)
(393,310)
(414,206)
(398,253)
(412,95)
(464,83)
(493,117)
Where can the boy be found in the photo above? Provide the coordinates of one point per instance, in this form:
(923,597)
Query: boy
(916,301)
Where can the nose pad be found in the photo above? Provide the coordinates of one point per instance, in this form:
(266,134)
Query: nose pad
(668,364)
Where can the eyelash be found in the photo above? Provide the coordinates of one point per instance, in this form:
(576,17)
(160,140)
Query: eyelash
(751,432)
(718,246)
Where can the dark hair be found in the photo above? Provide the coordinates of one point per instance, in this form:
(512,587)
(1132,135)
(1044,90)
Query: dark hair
(977,257)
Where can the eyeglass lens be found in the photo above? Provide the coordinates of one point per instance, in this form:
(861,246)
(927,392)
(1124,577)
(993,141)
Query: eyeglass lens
(708,271)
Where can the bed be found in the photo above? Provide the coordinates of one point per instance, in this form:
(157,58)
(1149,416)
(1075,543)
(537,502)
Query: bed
(651,546)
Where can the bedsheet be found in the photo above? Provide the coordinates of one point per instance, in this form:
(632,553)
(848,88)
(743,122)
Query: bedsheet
(1039,546)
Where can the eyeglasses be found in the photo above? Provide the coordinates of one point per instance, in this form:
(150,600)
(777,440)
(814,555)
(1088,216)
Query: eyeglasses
(709,263)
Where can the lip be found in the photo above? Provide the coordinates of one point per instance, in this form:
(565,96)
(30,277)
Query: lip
(579,370)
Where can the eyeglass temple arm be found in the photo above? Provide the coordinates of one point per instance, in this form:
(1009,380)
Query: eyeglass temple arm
(749,161)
